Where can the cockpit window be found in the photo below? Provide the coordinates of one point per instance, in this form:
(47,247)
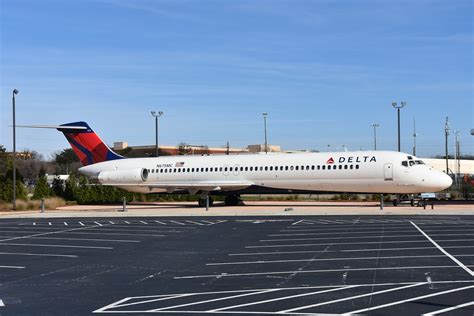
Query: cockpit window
(411,162)
(405,163)
(419,162)
(410,157)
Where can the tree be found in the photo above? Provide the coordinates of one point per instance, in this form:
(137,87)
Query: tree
(6,178)
(66,156)
(66,161)
(42,189)
(184,149)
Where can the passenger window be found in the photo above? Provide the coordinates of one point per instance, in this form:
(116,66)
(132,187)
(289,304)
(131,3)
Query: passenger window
(291,167)
(297,167)
(345,167)
(261,168)
(202,169)
(319,167)
(312,167)
(357,166)
(241,168)
(230,169)
(286,168)
(271,168)
(266,168)
(351,167)
(324,167)
(225,169)
(340,167)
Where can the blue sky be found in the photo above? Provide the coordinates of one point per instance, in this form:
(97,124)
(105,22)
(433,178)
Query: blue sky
(323,70)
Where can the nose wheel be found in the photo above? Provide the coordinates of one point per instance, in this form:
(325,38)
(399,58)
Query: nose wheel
(202,202)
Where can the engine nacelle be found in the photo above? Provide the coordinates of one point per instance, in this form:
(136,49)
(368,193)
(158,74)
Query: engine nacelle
(131,176)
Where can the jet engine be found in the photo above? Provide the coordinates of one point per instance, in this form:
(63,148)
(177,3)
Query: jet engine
(128,176)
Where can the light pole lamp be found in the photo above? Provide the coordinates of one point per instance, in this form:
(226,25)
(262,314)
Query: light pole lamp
(375,125)
(446,134)
(15,92)
(398,107)
(265,114)
(156,115)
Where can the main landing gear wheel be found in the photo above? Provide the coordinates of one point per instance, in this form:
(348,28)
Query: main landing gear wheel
(233,200)
(202,202)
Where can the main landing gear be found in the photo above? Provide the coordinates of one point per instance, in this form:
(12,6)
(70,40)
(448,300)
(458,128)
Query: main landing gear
(233,200)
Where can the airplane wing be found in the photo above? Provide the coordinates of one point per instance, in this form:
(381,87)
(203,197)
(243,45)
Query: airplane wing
(192,187)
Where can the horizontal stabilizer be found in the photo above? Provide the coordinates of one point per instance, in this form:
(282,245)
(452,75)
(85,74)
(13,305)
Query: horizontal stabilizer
(58,127)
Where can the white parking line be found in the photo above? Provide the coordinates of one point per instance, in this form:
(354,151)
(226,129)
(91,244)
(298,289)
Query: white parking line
(296,223)
(350,298)
(355,243)
(222,275)
(160,223)
(346,250)
(92,231)
(47,233)
(65,224)
(196,223)
(98,224)
(86,239)
(327,259)
(143,222)
(341,233)
(449,309)
(1,303)
(360,237)
(214,300)
(281,298)
(59,246)
(36,254)
(179,223)
(444,251)
(11,267)
(408,300)
(81,223)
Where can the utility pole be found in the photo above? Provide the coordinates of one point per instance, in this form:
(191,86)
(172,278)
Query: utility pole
(15,92)
(457,157)
(446,134)
(156,115)
(375,125)
(265,127)
(398,107)
(414,136)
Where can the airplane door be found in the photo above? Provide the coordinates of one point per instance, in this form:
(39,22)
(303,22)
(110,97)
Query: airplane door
(388,172)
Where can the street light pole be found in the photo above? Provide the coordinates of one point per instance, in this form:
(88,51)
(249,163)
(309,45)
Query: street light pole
(265,128)
(15,92)
(375,125)
(156,115)
(446,134)
(414,137)
(398,107)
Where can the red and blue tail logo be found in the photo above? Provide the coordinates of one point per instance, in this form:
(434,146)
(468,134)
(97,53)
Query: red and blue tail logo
(88,147)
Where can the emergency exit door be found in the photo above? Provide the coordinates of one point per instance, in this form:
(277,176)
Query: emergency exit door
(388,172)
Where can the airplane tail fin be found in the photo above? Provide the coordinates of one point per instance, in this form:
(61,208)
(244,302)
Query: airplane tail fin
(87,145)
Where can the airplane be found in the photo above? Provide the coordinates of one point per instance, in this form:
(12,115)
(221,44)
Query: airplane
(377,172)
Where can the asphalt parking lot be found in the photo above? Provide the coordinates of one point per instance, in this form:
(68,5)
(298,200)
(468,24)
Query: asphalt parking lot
(238,265)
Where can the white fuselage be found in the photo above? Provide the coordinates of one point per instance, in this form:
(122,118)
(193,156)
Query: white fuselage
(355,172)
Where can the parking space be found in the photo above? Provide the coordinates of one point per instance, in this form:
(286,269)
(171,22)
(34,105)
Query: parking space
(333,265)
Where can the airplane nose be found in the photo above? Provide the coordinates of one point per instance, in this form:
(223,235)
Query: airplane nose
(443,181)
